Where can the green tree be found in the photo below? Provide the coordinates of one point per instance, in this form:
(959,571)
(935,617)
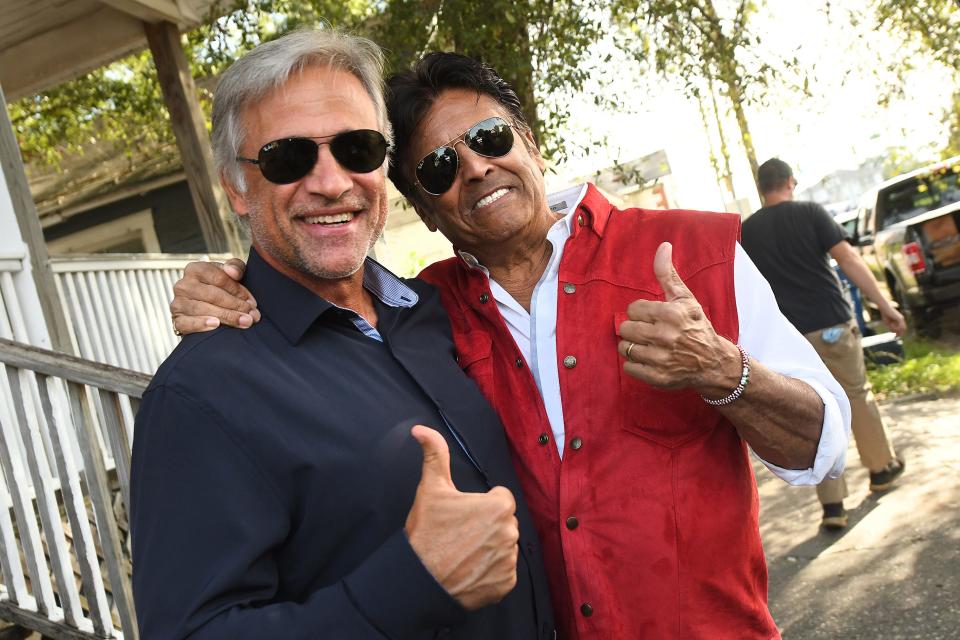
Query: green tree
(691,42)
(953,122)
(538,46)
(933,25)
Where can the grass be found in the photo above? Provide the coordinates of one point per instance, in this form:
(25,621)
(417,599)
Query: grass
(927,368)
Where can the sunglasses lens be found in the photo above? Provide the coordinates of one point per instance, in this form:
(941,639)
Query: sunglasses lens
(438,170)
(492,138)
(288,160)
(359,151)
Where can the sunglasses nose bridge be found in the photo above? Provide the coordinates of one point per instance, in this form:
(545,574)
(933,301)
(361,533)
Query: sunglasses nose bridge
(473,165)
(327,176)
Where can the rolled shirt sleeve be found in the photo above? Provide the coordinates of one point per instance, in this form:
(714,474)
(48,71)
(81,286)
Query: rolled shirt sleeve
(770,339)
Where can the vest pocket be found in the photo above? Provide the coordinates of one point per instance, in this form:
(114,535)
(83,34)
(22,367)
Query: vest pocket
(670,418)
(475,357)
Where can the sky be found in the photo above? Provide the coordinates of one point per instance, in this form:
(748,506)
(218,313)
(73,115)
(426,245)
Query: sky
(839,127)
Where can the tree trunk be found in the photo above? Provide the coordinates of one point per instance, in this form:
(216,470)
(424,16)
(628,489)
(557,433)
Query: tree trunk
(737,101)
(724,149)
(484,32)
(727,68)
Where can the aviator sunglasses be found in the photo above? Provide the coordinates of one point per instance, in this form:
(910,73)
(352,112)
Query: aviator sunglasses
(289,159)
(491,138)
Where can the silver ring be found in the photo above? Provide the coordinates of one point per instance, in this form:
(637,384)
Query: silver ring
(632,345)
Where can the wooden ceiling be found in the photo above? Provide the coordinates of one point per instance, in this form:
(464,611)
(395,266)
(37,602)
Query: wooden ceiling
(46,42)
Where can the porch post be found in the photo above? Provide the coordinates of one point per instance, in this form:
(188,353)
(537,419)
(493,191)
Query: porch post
(217,223)
(22,237)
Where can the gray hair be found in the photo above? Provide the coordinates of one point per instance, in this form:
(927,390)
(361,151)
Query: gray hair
(269,65)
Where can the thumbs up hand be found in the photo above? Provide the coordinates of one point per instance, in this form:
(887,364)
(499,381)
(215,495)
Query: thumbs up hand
(672,344)
(673,287)
(467,541)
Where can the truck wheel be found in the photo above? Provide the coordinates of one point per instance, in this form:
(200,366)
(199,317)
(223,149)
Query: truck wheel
(921,322)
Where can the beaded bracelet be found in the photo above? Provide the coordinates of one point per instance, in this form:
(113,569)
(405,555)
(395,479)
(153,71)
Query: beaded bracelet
(736,393)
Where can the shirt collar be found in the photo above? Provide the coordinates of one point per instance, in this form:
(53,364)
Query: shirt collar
(293,308)
(593,210)
(564,202)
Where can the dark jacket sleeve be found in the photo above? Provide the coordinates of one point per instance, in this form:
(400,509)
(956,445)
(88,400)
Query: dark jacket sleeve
(206,521)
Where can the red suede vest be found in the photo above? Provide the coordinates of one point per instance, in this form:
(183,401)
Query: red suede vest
(649,523)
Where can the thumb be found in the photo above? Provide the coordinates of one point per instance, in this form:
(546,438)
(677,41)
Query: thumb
(436,457)
(667,276)
(234,267)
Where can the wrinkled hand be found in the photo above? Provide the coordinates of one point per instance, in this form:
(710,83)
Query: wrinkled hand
(208,294)
(467,541)
(674,344)
(894,320)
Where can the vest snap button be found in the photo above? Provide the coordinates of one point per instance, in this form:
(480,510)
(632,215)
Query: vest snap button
(576,443)
(544,438)
(586,610)
(570,362)
(569,287)
(484,298)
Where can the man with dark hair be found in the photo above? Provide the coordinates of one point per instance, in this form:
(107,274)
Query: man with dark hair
(276,489)
(614,345)
(791,243)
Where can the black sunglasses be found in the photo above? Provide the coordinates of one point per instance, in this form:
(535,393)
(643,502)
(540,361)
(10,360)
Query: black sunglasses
(491,138)
(289,159)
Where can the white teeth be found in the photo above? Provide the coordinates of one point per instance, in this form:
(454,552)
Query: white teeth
(334,219)
(493,197)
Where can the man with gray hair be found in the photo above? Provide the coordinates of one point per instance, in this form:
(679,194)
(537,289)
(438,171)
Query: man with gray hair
(276,491)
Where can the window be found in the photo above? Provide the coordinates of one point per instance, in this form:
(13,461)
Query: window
(919,194)
(130,234)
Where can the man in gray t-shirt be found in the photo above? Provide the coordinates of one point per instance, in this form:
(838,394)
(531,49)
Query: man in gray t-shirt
(791,243)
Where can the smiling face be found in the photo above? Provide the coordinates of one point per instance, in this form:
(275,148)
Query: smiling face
(321,226)
(493,201)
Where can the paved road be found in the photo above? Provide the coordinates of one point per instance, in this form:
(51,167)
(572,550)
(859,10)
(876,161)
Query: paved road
(894,573)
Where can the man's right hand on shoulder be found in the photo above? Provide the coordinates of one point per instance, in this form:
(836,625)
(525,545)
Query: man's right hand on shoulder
(210,294)
(467,541)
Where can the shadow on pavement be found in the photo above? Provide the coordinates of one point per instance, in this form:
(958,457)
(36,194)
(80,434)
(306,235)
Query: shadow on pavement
(894,572)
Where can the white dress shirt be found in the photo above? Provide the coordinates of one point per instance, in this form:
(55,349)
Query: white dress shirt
(765,334)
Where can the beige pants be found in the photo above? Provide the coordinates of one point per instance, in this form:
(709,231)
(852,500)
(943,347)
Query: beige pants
(844,359)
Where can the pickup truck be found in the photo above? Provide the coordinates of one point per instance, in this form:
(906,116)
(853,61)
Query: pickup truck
(907,231)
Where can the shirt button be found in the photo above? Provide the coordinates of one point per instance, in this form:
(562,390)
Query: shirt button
(484,298)
(570,362)
(569,287)
(572,523)
(544,438)
(586,610)
(576,443)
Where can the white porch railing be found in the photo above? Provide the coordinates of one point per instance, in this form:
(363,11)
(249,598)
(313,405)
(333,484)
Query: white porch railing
(117,306)
(13,324)
(65,433)
(63,560)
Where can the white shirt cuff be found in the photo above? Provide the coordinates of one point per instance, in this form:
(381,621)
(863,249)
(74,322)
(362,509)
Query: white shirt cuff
(832,449)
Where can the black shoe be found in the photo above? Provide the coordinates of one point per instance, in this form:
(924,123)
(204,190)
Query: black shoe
(886,477)
(834,516)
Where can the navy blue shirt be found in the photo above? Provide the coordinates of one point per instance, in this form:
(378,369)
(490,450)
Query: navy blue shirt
(273,471)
